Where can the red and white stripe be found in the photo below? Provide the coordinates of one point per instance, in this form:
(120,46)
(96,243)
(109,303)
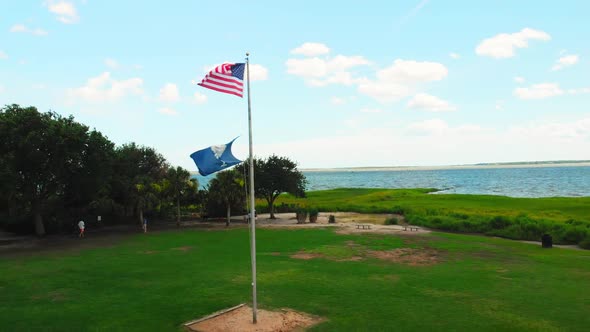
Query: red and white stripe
(220,79)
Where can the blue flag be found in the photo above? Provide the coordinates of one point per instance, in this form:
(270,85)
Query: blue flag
(215,158)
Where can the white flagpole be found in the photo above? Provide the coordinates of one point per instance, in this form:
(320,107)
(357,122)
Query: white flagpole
(252,205)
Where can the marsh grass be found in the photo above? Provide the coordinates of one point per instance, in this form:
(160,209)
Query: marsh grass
(567,219)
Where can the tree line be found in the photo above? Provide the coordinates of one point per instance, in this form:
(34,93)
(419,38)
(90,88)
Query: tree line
(55,171)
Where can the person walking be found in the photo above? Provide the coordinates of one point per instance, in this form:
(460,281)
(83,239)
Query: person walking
(145,225)
(81,226)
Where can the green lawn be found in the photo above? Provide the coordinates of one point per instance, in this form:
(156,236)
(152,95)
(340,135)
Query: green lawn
(157,281)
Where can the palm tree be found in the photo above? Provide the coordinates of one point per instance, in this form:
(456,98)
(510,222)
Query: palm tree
(180,184)
(146,197)
(227,188)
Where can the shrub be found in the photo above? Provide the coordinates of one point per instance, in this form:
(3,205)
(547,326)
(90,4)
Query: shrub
(398,210)
(499,222)
(313,215)
(391,221)
(331,219)
(301,214)
(575,234)
(585,243)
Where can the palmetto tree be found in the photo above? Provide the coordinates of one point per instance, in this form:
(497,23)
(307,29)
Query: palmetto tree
(228,188)
(179,184)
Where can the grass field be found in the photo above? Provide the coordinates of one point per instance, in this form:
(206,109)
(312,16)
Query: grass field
(567,219)
(156,281)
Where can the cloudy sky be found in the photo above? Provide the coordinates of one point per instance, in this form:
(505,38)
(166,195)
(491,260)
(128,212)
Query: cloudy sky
(363,83)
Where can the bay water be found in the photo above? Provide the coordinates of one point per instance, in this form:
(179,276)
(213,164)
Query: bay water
(515,182)
(563,181)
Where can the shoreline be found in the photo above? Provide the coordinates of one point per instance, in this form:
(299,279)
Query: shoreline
(447,167)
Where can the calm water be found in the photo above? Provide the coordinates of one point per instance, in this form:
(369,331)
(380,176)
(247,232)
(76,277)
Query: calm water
(515,182)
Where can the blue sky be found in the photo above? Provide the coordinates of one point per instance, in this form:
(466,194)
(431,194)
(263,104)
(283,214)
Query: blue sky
(371,83)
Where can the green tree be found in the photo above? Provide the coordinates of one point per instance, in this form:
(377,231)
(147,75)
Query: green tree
(180,184)
(274,176)
(137,173)
(228,188)
(90,184)
(41,153)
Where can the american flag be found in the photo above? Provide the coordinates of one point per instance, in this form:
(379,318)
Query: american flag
(226,78)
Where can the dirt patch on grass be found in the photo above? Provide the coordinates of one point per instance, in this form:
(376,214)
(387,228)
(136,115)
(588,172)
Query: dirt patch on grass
(240,319)
(311,255)
(351,259)
(306,255)
(386,278)
(356,252)
(53,296)
(408,256)
(149,252)
(184,248)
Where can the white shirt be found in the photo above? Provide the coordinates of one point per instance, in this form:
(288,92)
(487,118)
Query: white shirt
(81,224)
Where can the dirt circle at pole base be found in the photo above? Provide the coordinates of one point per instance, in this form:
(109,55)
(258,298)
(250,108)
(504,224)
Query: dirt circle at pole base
(239,318)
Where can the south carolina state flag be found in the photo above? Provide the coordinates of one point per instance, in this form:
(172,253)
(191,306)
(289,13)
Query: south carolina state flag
(215,158)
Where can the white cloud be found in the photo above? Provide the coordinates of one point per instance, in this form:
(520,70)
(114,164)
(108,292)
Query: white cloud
(3,55)
(199,98)
(313,67)
(427,102)
(391,83)
(169,93)
(344,78)
(311,49)
(318,68)
(454,55)
(578,91)
(111,63)
(384,91)
(65,11)
(105,88)
(321,72)
(503,45)
(167,111)
(539,91)
(337,101)
(39,32)
(21,28)
(579,129)
(438,127)
(499,105)
(371,110)
(565,61)
(410,71)
(398,81)
(257,73)
(428,127)
(519,79)
(434,142)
